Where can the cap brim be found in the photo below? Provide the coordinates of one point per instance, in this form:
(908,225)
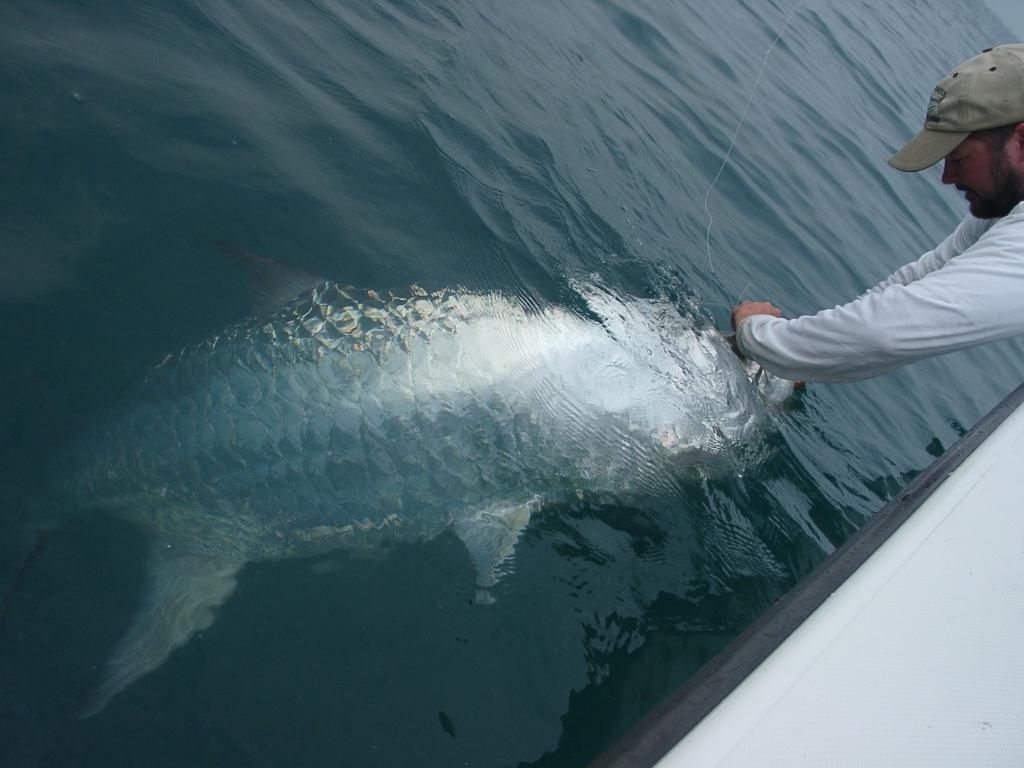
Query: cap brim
(926,149)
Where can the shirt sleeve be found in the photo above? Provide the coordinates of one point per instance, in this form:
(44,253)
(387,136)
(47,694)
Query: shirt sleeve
(960,240)
(967,291)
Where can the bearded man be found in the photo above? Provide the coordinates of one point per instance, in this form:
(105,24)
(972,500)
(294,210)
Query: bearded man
(968,290)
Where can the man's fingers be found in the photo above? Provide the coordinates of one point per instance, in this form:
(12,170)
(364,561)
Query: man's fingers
(749,308)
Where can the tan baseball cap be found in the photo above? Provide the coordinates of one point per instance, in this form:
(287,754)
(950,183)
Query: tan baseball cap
(986,91)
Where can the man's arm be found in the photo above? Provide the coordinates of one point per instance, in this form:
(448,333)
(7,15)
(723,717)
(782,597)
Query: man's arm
(973,299)
(964,292)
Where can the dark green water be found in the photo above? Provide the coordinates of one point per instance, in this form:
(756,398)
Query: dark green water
(504,146)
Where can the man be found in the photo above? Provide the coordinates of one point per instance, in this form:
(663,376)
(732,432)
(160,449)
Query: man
(970,289)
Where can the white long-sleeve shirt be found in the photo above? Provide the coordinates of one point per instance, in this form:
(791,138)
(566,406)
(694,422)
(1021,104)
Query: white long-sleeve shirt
(967,291)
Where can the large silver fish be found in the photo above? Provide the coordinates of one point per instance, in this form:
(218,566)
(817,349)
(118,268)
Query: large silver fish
(348,419)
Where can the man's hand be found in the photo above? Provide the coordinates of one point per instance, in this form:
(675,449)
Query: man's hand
(749,308)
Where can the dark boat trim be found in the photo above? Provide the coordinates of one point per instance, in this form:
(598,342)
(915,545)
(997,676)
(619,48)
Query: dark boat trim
(655,735)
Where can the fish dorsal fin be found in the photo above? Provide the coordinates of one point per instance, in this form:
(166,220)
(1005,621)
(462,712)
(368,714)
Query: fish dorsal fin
(272,284)
(490,534)
(183,594)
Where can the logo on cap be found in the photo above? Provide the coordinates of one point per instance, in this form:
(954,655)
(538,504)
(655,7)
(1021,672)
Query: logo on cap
(933,105)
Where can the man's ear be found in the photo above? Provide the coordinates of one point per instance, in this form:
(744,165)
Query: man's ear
(1016,143)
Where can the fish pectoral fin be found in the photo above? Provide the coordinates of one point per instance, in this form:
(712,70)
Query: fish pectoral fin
(183,594)
(490,535)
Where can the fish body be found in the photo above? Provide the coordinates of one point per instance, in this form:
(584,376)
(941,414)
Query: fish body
(348,418)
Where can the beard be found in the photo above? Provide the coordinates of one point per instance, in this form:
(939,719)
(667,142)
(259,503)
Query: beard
(1007,191)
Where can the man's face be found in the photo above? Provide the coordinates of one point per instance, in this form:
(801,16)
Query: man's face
(992,184)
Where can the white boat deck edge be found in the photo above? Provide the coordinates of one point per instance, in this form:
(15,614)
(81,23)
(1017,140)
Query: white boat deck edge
(917,659)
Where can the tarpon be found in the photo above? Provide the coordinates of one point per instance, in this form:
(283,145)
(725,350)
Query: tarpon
(348,419)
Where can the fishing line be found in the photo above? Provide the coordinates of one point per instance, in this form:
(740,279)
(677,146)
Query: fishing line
(739,125)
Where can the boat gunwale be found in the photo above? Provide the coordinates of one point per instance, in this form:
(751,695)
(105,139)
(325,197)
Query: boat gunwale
(657,733)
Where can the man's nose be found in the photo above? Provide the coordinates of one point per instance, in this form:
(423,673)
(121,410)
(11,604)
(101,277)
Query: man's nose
(948,177)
